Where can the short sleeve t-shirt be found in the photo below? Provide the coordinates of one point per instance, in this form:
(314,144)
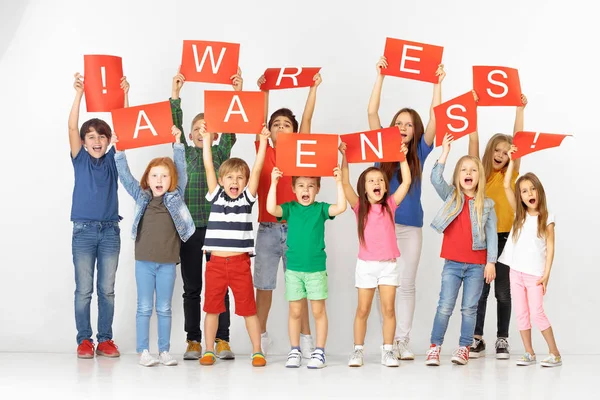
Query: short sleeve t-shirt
(410,211)
(284,187)
(528,253)
(306,235)
(494,189)
(457,244)
(95,191)
(380,233)
(157,239)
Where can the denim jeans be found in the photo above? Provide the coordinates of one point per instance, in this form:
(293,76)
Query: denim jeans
(148,277)
(271,247)
(453,275)
(95,245)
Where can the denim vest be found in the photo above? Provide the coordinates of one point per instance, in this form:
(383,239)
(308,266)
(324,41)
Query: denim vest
(174,201)
(482,239)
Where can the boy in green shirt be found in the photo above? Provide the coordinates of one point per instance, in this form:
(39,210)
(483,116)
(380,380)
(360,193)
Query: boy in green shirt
(306,275)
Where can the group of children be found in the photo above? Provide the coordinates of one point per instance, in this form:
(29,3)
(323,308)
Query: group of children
(200,204)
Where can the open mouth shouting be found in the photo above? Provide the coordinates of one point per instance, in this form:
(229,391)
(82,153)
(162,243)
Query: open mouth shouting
(531,202)
(234,190)
(498,162)
(468,181)
(97,148)
(305,198)
(377,192)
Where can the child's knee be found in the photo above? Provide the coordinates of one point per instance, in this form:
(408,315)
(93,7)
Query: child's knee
(363,311)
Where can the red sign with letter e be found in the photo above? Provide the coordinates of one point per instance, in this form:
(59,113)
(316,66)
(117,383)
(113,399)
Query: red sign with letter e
(300,154)
(143,126)
(412,60)
(212,62)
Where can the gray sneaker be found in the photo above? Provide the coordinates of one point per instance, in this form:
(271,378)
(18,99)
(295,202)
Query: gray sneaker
(193,351)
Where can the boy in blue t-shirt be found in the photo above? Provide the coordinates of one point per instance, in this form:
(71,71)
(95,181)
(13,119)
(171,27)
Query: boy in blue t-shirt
(96,240)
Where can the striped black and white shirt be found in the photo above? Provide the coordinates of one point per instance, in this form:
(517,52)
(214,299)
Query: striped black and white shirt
(229,223)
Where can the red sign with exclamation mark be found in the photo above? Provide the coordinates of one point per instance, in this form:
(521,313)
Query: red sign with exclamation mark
(102,83)
(530,142)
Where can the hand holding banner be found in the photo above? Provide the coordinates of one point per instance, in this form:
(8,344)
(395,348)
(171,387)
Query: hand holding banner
(102,83)
(497,86)
(211,62)
(379,145)
(530,142)
(412,60)
(289,78)
(300,154)
(457,116)
(143,126)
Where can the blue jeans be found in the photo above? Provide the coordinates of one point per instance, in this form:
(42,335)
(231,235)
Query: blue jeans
(148,277)
(95,245)
(270,248)
(454,273)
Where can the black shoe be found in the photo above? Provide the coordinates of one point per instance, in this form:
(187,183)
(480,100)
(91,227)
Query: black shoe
(502,349)
(477,349)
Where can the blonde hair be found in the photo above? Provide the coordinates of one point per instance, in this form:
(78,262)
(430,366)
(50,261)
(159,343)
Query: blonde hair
(488,155)
(234,164)
(521,212)
(160,162)
(197,118)
(457,194)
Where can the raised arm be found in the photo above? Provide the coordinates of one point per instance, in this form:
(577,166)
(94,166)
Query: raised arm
(211,175)
(402,190)
(519,124)
(259,162)
(125,87)
(175,101)
(131,185)
(349,192)
(179,159)
(260,81)
(474,137)
(74,138)
(508,189)
(272,207)
(549,256)
(437,173)
(374,100)
(223,149)
(340,206)
(436,101)
(309,108)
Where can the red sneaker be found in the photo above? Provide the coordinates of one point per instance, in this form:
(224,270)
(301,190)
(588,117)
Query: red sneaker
(433,355)
(85,349)
(107,349)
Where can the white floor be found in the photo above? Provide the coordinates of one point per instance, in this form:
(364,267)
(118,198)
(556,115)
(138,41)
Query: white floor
(25,376)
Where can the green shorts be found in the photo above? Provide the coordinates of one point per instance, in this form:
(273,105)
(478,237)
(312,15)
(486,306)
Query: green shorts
(302,285)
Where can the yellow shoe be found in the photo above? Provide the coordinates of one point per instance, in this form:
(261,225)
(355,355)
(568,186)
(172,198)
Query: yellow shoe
(193,351)
(258,360)
(223,351)
(208,358)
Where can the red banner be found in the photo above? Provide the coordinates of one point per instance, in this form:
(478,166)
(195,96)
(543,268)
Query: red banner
(457,117)
(378,145)
(143,126)
(530,142)
(235,112)
(212,62)
(412,60)
(300,154)
(497,86)
(289,78)
(102,83)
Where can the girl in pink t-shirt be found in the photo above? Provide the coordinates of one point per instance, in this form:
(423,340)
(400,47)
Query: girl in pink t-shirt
(376,267)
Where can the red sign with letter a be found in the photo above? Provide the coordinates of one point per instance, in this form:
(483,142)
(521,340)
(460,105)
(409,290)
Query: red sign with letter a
(412,60)
(142,126)
(234,112)
(212,62)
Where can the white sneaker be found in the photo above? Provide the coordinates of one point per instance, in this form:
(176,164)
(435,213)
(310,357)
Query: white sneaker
(147,360)
(166,359)
(527,359)
(401,350)
(388,358)
(265,342)
(306,345)
(294,359)
(317,360)
(356,358)
(551,361)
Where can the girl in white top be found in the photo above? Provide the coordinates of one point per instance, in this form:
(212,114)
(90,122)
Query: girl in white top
(529,252)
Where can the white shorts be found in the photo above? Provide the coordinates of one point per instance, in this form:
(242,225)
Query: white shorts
(371,274)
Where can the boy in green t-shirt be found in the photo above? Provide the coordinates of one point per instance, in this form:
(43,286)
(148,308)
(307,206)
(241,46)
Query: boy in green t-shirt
(306,275)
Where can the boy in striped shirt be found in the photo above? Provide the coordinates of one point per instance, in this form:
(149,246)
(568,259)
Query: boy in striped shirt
(230,240)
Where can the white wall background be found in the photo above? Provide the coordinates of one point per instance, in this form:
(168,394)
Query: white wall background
(42,45)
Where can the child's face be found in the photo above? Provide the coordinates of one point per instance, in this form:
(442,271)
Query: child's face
(500,156)
(95,143)
(529,195)
(468,176)
(196,137)
(233,182)
(375,186)
(281,124)
(159,180)
(306,190)
(405,123)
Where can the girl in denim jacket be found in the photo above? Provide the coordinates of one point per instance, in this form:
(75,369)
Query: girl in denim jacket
(161,218)
(468,221)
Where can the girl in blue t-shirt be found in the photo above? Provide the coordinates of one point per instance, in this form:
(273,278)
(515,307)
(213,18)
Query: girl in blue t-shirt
(409,215)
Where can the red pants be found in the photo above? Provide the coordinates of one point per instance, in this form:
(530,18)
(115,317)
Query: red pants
(233,272)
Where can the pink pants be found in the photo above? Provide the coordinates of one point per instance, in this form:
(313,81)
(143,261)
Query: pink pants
(527,301)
